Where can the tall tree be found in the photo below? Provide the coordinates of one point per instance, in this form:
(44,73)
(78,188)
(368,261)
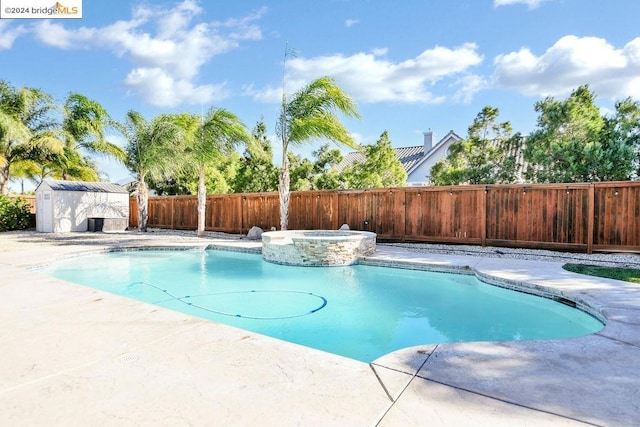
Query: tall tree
(324,168)
(311,114)
(256,171)
(216,135)
(301,173)
(152,149)
(219,175)
(490,154)
(620,142)
(566,146)
(381,167)
(26,128)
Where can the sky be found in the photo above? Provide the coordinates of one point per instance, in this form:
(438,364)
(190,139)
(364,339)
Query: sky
(411,66)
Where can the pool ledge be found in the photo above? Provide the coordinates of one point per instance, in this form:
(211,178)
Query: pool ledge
(73,355)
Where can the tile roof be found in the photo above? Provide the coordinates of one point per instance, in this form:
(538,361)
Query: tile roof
(349,159)
(408,156)
(98,187)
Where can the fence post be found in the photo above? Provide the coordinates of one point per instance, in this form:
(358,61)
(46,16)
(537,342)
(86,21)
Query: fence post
(172,199)
(404,215)
(483,217)
(243,221)
(590,217)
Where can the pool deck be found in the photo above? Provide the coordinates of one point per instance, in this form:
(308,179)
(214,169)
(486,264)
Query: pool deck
(72,355)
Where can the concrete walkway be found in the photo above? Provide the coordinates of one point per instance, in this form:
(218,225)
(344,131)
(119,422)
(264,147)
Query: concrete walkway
(72,355)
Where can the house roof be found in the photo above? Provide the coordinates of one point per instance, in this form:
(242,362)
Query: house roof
(410,157)
(96,187)
(450,135)
(349,159)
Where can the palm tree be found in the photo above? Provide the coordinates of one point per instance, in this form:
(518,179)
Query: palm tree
(70,165)
(25,170)
(29,133)
(25,128)
(217,134)
(152,149)
(84,125)
(311,114)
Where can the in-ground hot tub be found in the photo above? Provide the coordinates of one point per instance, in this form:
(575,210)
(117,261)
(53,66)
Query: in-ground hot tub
(317,247)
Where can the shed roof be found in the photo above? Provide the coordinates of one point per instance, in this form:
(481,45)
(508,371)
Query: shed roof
(96,187)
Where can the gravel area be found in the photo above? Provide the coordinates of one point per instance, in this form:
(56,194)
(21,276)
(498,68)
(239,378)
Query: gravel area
(624,260)
(15,239)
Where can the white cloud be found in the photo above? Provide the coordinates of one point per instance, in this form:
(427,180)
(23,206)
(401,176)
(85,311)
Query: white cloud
(573,61)
(56,35)
(266,95)
(369,78)
(351,22)
(9,34)
(532,4)
(160,88)
(166,47)
(468,86)
(380,51)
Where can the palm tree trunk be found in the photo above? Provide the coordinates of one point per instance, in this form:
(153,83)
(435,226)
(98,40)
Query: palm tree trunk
(143,203)
(4,179)
(202,200)
(283,190)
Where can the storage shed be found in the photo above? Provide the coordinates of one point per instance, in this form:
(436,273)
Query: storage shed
(63,206)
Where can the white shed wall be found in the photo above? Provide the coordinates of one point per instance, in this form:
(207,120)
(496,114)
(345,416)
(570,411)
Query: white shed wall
(67,211)
(72,208)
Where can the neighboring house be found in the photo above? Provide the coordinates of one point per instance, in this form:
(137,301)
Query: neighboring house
(417,161)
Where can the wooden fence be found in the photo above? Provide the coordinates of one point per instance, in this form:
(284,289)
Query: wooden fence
(581,217)
(28,198)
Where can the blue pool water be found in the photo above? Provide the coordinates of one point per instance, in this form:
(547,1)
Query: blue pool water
(361,312)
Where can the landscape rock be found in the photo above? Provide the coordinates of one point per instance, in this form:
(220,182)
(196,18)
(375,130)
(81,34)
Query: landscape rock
(255,233)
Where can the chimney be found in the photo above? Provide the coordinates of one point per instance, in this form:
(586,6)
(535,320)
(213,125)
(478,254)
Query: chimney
(428,141)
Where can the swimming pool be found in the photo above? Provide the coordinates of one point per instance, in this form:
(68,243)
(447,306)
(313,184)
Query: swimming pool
(361,312)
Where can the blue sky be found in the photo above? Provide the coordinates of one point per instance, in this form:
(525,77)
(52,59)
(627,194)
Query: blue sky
(411,65)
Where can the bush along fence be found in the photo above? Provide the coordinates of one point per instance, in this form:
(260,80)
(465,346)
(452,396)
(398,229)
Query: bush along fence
(29,199)
(581,217)
(14,213)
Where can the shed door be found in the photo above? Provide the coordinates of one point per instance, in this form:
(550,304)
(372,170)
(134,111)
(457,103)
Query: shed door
(44,212)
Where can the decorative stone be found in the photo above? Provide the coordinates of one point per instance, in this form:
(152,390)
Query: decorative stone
(344,227)
(317,247)
(255,233)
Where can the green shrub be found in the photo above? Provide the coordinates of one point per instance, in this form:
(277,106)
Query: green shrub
(14,214)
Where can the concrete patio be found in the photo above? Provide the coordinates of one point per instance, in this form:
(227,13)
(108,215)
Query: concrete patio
(72,355)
